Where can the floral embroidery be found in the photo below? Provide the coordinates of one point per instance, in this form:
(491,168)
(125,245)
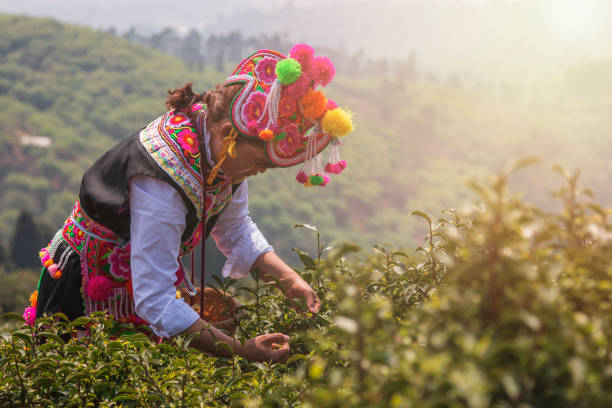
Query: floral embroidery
(119,261)
(187,139)
(286,106)
(289,144)
(178,119)
(265,70)
(254,106)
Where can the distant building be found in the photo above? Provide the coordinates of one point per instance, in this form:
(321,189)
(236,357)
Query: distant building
(38,141)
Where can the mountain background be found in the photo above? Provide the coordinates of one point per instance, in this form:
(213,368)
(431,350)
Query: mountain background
(442,92)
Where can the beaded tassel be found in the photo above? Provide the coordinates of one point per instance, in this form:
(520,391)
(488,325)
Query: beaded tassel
(271,108)
(47,255)
(335,165)
(312,173)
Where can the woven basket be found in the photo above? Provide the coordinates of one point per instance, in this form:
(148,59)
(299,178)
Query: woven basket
(220,309)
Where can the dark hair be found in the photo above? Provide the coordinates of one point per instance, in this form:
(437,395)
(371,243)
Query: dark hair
(217,100)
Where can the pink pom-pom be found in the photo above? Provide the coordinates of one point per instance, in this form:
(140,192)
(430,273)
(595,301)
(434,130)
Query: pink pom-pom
(334,168)
(99,288)
(253,127)
(331,104)
(301,177)
(29,315)
(328,167)
(45,258)
(323,70)
(52,269)
(297,89)
(326,179)
(303,54)
(342,164)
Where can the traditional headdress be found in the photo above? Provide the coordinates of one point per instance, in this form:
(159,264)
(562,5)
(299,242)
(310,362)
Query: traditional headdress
(279,104)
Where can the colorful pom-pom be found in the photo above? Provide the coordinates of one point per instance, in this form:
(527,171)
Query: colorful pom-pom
(58,274)
(297,89)
(315,179)
(303,54)
(48,263)
(288,71)
(45,258)
(323,70)
(331,105)
(99,288)
(301,177)
(52,269)
(313,104)
(29,315)
(266,134)
(253,127)
(34,299)
(342,164)
(333,168)
(326,180)
(337,122)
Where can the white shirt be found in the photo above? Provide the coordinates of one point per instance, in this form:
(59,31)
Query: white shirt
(158,219)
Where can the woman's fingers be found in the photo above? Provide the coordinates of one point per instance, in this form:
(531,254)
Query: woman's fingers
(313,302)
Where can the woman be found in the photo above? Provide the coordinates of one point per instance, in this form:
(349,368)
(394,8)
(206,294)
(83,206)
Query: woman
(143,203)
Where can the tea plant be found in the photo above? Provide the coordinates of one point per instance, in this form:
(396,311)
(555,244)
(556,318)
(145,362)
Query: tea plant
(504,305)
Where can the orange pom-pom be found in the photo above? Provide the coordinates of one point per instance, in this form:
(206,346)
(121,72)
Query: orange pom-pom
(34,299)
(58,274)
(313,104)
(266,134)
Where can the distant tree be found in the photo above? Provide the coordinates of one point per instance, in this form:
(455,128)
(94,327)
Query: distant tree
(2,254)
(190,49)
(26,242)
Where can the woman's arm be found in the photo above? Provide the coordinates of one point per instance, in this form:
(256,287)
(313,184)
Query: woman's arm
(245,247)
(271,348)
(158,220)
(292,284)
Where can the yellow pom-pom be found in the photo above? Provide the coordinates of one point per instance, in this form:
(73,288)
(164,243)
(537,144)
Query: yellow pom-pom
(266,135)
(34,299)
(178,294)
(313,104)
(337,122)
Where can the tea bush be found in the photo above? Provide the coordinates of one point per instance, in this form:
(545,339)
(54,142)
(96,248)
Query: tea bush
(506,305)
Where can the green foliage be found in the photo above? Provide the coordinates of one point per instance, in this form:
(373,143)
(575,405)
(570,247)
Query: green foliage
(504,305)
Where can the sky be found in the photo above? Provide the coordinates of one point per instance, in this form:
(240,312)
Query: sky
(483,38)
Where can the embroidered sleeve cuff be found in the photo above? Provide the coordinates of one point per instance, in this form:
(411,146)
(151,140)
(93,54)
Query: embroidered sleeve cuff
(176,318)
(251,244)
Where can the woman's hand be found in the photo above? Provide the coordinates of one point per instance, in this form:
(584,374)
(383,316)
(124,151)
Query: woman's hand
(290,282)
(297,288)
(271,348)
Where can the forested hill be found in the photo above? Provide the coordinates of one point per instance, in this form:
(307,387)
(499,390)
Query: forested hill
(415,143)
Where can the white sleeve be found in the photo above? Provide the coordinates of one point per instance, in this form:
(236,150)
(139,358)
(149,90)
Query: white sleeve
(157,223)
(237,237)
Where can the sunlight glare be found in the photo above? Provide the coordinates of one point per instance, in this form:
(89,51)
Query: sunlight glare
(577,19)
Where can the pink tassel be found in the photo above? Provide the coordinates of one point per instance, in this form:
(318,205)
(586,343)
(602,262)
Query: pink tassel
(301,177)
(29,315)
(326,179)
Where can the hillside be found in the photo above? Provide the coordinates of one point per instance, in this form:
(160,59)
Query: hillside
(414,146)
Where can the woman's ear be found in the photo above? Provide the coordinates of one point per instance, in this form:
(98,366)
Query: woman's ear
(226,128)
